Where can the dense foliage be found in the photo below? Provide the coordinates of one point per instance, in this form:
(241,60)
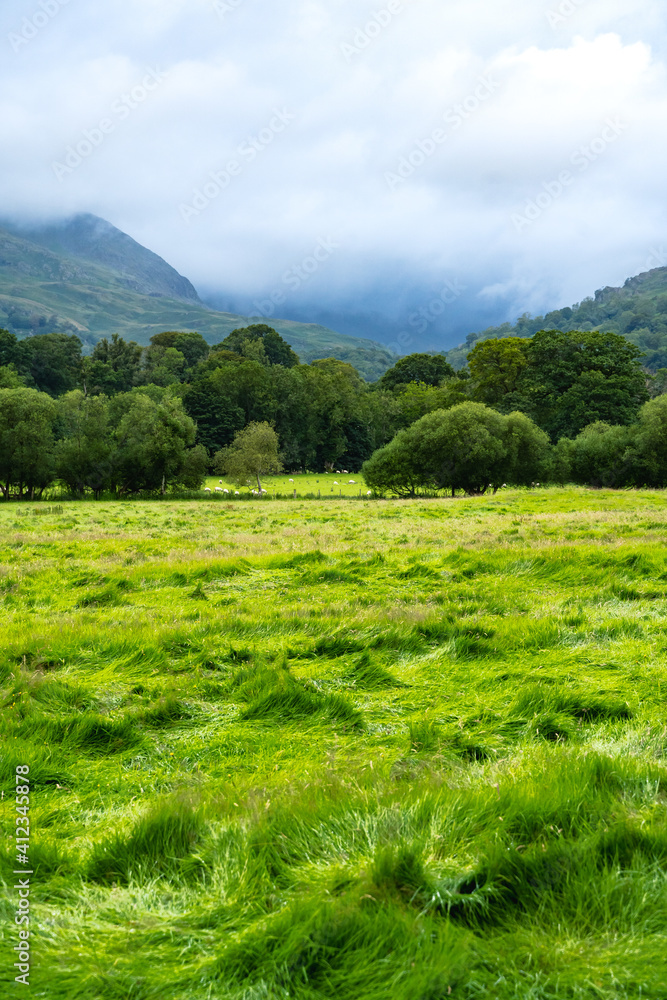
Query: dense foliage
(128,418)
(136,441)
(469,447)
(638,311)
(564,381)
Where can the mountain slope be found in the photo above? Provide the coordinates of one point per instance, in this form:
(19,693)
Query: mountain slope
(91,239)
(87,277)
(637,310)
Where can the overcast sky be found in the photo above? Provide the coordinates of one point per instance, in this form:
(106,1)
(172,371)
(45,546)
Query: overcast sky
(357,162)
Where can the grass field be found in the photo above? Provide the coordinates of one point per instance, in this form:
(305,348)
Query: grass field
(315,485)
(364,751)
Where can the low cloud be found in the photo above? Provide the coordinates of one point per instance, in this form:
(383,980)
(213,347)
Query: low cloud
(478,112)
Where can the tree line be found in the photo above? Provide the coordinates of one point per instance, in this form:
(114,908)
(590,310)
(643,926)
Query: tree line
(129,418)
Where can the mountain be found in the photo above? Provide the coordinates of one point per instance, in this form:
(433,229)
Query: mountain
(637,310)
(86,277)
(88,238)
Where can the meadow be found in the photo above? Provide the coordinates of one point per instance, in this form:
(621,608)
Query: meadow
(390,750)
(307,485)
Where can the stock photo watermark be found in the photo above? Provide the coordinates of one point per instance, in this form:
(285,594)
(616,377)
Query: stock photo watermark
(92,138)
(656,258)
(36,22)
(453,118)
(422,318)
(22,873)
(582,158)
(297,275)
(224,7)
(560,14)
(219,180)
(365,34)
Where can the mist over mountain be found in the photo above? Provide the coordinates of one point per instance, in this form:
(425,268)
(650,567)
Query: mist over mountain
(399,311)
(637,310)
(89,238)
(82,275)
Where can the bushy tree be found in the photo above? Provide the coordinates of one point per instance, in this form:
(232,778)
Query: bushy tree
(10,378)
(114,366)
(430,369)
(26,442)
(252,454)
(603,455)
(262,343)
(650,443)
(194,467)
(528,451)
(51,361)
(497,368)
(9,348)
(469,447)
(211,402)
(576,378)
(85,452)
(397,468)
(152,442)
(191,345)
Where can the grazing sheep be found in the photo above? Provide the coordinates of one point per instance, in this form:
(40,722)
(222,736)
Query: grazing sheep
(368,493)
(219,489)
(351,482)
(236,493)
(207,489)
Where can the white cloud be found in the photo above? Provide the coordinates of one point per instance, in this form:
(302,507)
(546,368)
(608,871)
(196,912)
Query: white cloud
(554,88)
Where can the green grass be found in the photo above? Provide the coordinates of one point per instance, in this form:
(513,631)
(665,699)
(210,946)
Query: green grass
(312,485)
(388,749)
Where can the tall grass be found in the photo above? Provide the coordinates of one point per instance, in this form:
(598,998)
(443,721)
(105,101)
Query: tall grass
(411,750)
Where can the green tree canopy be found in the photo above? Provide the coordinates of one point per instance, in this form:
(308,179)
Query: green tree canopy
(191,345)
(602,455)
(9,348)
(52,362)
(248,340)
(252,454)
(114,366)
(85,451)
(26,442)
(574,379)
(497,368)
(152,442)
(428,368)
(469,447)
(650,443)
(10,378)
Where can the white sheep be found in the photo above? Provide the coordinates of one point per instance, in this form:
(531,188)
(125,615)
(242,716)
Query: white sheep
(219,489)
(225,491)
(236,493)
(335,482)
(368,493)
(291,480)
(207,489)
(351,482)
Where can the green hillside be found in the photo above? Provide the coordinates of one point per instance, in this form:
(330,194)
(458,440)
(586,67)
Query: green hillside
(638,311)
(88,278)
